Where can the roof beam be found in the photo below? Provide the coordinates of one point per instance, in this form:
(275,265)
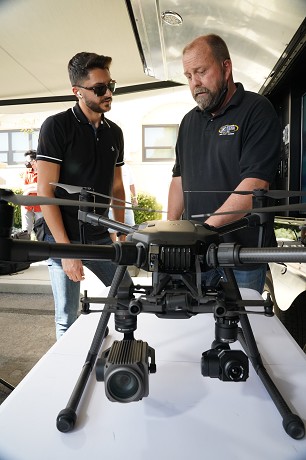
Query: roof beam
(119,92)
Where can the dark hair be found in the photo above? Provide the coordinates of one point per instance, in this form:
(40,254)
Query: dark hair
(216,44)
(80,65)
(31,154)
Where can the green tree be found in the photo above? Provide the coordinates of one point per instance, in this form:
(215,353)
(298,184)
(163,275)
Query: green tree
(17,210)
(150,203)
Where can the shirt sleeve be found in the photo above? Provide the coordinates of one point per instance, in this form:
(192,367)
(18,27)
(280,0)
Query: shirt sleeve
(120,144)
(176,170)
(51,141)
(261,143)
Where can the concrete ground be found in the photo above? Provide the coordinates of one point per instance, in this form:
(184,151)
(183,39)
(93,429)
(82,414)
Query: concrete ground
(27,328)
(26,322)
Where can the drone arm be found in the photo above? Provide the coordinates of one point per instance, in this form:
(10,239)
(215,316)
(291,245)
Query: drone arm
(34,251)
(252,220)
(266,255)
(20,250)
(233,255)
(96,219)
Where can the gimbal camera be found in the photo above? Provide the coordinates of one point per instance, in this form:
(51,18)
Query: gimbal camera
(176,253)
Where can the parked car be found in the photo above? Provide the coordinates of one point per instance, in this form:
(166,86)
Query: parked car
(286,281)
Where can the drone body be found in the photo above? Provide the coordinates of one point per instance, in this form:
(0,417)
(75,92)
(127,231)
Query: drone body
(177,253)
(172,246)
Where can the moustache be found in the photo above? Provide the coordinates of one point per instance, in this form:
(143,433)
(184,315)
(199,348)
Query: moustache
(201,91)
(107,99)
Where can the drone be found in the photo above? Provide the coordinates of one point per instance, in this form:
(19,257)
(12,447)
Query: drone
(176,253)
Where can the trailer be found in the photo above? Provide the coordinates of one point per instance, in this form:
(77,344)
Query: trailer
(286,89)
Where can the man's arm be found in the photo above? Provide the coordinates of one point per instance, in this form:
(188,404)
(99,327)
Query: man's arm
(49,172)
(175,199)
(133,195)
(118,192)
(236,202)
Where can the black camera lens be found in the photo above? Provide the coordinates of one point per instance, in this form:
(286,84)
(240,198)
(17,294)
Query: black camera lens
(235,371)
(226,364)
(124,368)
(124,385)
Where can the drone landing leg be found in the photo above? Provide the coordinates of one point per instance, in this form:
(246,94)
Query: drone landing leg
(292,423)
(7,385)
(67,417)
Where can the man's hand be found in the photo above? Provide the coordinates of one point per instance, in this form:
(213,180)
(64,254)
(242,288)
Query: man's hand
(74,269)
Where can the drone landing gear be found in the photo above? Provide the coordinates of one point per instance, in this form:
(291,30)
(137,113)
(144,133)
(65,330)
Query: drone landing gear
(126,364)
(292,423)
(67,417)
(232,365)
(7,384)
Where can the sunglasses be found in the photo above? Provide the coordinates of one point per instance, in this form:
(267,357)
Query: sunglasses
(101,89)
(28,164)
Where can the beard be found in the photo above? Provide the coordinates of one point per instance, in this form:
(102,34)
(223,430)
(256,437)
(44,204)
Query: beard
(100,107)
(210,100)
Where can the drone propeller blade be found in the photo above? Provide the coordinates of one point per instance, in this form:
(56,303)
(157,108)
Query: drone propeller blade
(272,209)
(69,188)
(33,200)
(279,194)
(276,194)
(76,189)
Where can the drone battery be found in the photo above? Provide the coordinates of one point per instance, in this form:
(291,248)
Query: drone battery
(175,258)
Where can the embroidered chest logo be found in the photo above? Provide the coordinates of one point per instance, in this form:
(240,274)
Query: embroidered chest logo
(228,130)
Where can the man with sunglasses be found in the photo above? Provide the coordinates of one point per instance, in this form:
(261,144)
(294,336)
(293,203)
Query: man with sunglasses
(80,147)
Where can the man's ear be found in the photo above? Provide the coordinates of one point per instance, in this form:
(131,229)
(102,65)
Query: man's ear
(76,92)
(227,66)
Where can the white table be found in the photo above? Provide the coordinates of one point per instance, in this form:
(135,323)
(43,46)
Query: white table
(185,416)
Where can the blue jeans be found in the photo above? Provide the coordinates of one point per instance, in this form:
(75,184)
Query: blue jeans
(252,279)
(66,293)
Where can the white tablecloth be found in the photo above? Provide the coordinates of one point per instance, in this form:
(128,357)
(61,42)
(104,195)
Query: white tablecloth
(185,416)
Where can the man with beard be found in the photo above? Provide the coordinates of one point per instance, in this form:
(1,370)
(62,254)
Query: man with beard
(231,141)
(80,147)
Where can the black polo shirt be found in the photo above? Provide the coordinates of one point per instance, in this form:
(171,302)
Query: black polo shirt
(87,157)
(217,153)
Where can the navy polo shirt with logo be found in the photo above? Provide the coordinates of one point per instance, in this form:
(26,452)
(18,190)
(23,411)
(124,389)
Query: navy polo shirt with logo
(87,158)
(217,153)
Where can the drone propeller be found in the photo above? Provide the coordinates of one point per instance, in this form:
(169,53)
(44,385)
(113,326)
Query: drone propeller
(273,209)
(76,189)
(33,200)
(276,194)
